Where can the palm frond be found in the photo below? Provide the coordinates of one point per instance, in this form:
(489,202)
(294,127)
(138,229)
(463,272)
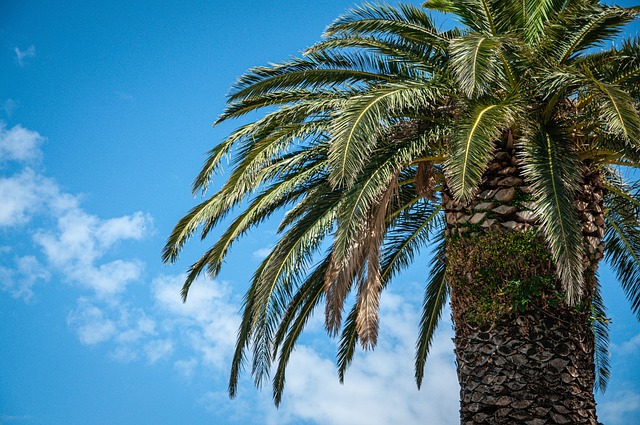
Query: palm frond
(407,22)
(299,311)
(551,168)
(435,298)
(407,237)
(348,343)
(478,15)
(618,111)
(363,117)
(277,276)
(473,145)
(418,55)
(317,70)
(475,63)
(537,14)
(581,27)
(270,134)
(600,324)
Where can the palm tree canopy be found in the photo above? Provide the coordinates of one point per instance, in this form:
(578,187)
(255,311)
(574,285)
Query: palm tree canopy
(360,134)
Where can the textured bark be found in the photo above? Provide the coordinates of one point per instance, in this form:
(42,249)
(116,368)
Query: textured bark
(529,369)
(523,355)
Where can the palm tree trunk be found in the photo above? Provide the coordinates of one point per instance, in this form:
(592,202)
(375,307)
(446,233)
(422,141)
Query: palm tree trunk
(523,355)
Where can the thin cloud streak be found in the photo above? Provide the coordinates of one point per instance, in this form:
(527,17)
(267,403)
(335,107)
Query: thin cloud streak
(23,56)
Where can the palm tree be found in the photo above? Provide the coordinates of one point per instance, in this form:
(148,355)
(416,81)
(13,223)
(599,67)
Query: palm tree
(497,149)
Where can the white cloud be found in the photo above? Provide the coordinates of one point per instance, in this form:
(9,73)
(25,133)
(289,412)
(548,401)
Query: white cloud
(92,324)
(77,244)
(23,55)
(262,253)
(158,349)
(81,240)
(208,321)
(621,409)
(379,386)
(23,195)
(629,346)
(143,327)
(19,143)
(19,281)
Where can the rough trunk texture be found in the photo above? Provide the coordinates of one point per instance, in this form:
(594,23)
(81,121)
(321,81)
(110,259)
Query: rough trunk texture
(524,356)
(530,369)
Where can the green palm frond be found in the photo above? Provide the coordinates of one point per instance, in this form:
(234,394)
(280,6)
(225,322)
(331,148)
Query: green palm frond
(278,275)
(619,65)
(473,144)
(581,27)
(408,237)
(475,60)
(536,15)
(348,343)
(361,119)
(320,69)
(478,15)
(420,56)
(617,108)
(407,22)
(300,309)
(283,97)
(551,168)
(271,134)
(260,209)
(435,298)
(600,324)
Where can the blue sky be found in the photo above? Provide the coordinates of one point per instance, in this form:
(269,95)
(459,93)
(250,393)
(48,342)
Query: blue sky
(105,115)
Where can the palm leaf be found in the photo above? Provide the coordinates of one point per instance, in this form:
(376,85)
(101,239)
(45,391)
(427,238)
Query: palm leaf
(551,168)
(435,298)
(407,22)
(357,124)
(473,146)
(299,311)
(474,59)
(618,112)
(600,324)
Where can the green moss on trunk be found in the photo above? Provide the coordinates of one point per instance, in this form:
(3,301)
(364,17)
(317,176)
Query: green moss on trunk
(496,273)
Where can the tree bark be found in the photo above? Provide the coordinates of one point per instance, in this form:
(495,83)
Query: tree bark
(530,369)
(523,355)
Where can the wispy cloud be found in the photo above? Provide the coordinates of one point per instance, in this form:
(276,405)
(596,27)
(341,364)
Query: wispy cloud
(79,241)
(26,273)
(122,95)
(262,253)
(9,106)
(91,323)
(23,56)
(620,409)
(627,347)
